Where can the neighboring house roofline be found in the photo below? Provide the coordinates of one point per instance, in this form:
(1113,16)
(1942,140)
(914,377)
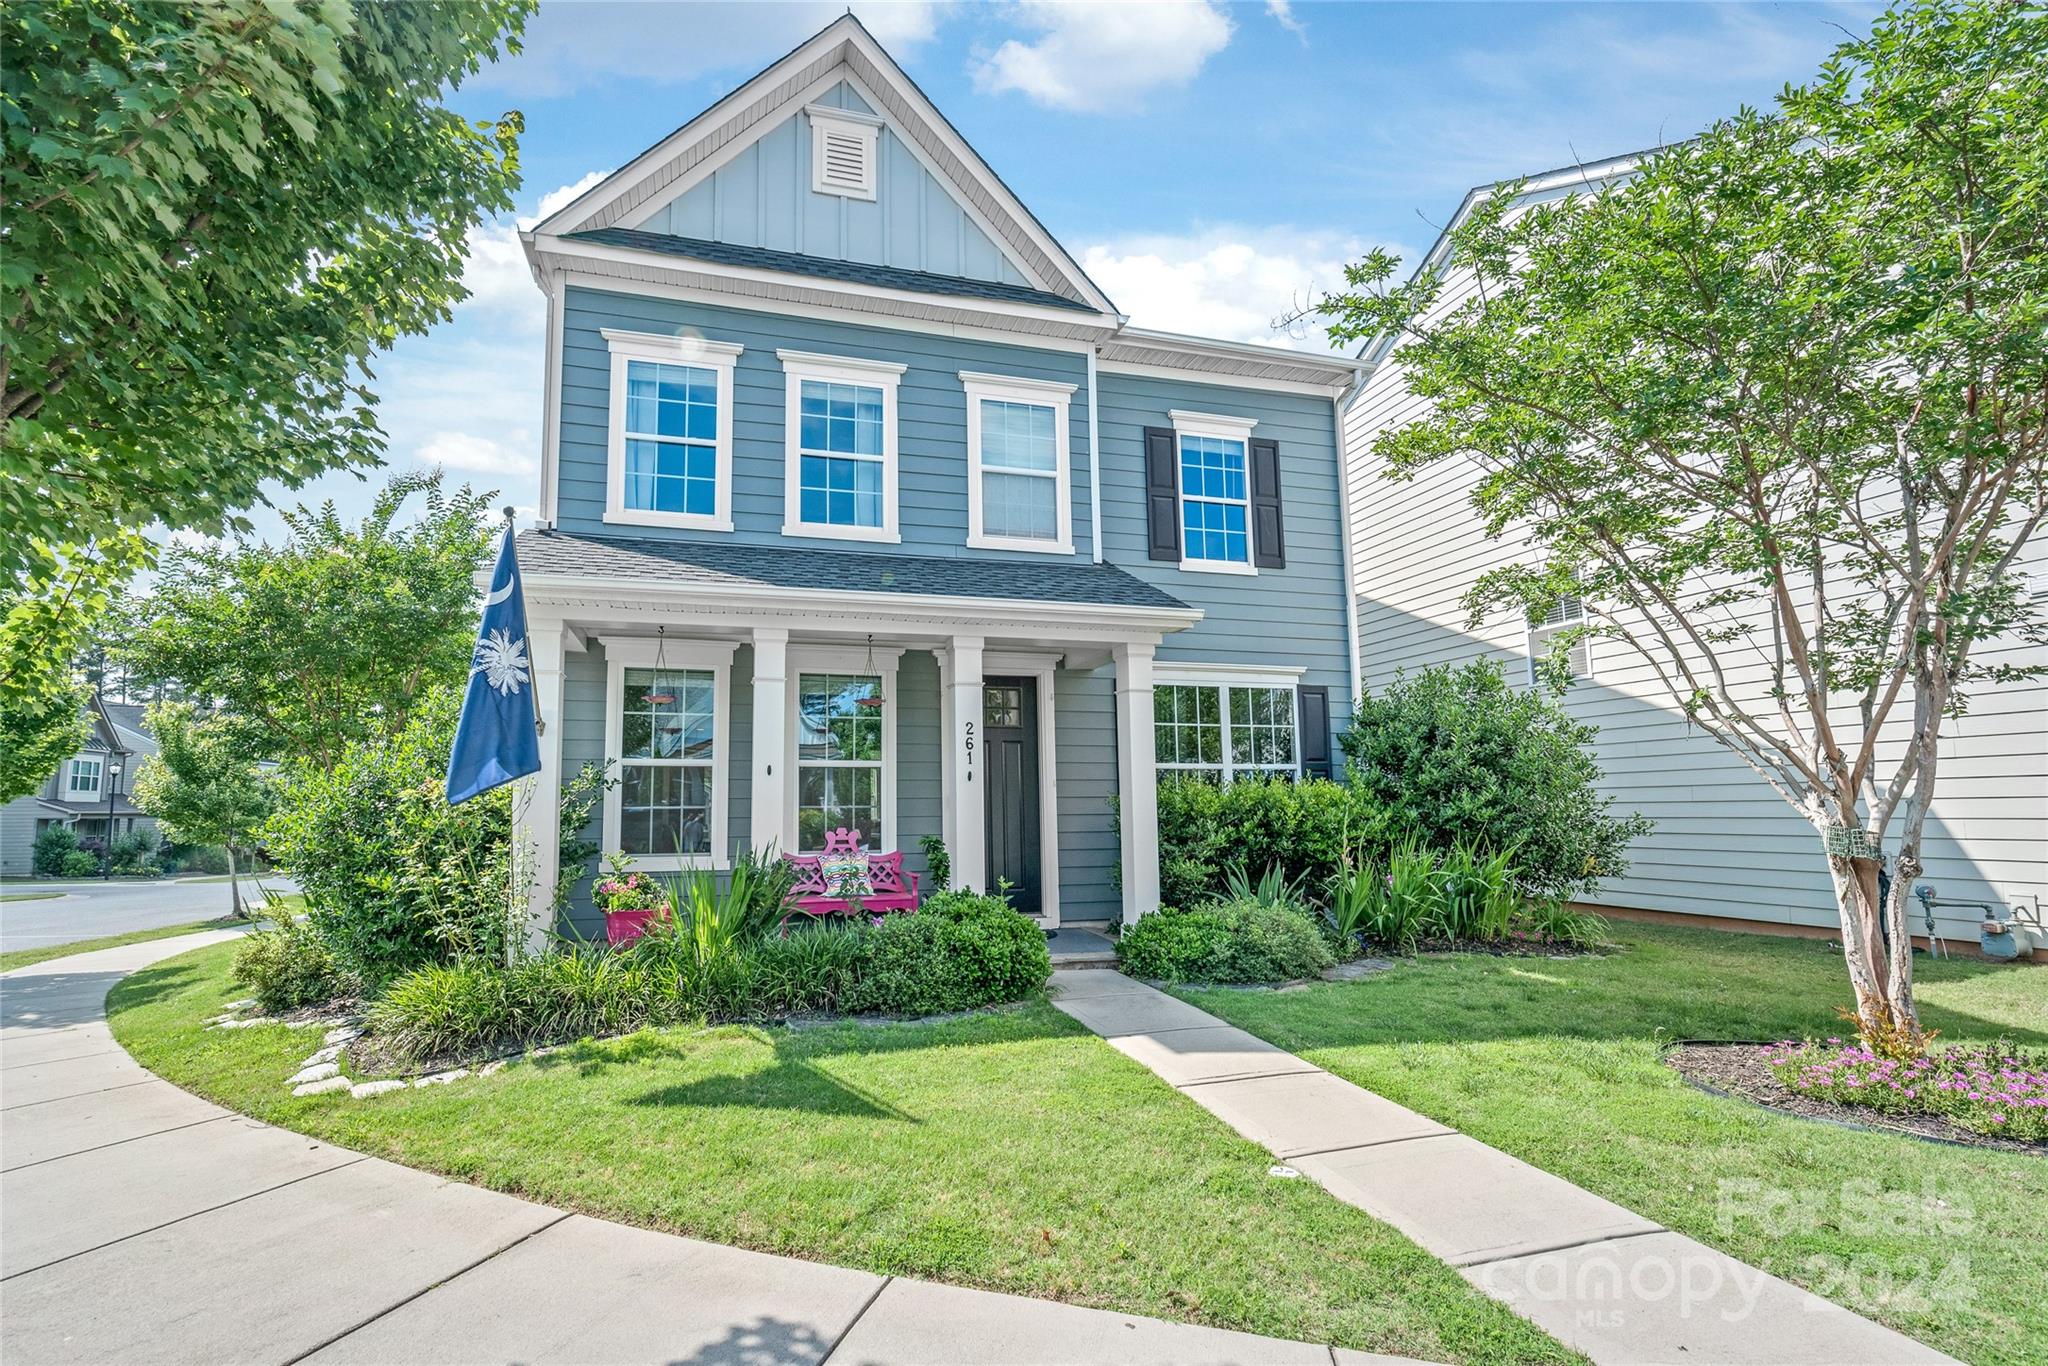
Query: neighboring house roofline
(1591,175)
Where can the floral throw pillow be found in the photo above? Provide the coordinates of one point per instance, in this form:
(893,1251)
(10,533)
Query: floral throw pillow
(846,875)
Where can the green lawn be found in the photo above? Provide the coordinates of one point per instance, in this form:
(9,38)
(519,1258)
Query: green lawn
(38,895)
(21,958)
(1013,1151)
(1555,1061)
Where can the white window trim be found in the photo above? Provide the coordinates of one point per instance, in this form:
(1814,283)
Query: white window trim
(1539,644)
(641,652)
(99,776)
(852,123)
(1039,394)
(1224,677)
(798,366)
(842,661)
(1186,424)
(716,356)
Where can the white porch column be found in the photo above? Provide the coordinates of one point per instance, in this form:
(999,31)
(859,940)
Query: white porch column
(771,737)
(537,801)
(967,834)
(1136,781)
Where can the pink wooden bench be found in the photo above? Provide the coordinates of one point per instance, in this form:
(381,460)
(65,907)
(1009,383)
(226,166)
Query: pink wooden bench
(889,887)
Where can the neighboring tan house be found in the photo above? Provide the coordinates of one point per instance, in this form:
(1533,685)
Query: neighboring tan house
(88,790)
(1725,845)
(861,506)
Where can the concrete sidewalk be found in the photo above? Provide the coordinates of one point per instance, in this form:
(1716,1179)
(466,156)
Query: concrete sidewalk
(1599,1278)
(142,1224)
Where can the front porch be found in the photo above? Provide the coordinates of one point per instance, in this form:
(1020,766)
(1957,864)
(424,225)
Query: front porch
(735,718)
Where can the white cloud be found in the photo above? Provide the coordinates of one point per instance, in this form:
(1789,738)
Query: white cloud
(469,452)
(1282,13)
(1227,282)
(573,44)
(1092,57)
(501,288)
(560,197)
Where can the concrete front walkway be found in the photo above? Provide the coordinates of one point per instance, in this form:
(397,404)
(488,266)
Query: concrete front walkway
(1610,1283)
(139,1223)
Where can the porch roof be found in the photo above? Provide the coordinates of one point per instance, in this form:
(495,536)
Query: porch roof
(546,554)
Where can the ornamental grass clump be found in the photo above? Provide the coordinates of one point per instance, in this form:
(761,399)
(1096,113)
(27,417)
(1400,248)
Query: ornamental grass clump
(1986,1088)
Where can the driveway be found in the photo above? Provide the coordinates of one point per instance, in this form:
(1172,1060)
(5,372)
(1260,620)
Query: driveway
(88,910)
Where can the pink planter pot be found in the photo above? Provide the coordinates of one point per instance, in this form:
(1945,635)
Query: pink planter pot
(623,927)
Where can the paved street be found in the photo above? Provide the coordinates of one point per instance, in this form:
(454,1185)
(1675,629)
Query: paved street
(88,910)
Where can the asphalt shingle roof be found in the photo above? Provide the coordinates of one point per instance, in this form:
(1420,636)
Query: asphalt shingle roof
(826,268)
(729,565)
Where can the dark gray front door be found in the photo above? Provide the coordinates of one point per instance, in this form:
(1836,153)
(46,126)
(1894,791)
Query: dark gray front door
(1010,739)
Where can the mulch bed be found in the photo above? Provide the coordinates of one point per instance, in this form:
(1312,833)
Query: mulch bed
(1739,1069)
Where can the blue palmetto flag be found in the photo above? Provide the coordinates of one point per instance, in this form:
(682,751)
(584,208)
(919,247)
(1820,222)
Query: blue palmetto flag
(498,738)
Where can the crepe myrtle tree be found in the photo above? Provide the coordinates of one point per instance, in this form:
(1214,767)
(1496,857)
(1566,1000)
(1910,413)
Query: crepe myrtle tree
(1772,406)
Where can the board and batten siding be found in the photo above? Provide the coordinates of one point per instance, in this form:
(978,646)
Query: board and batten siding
(1291,617)
(931,417)
(762,197)
(1725,844)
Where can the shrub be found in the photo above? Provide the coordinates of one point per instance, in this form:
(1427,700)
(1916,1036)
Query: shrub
(812,967)
(1459,757)
(54,843)
(394,876)
(288,967)
(1225,941)
(202,858)
(80,863)
(959,951)
(1302,828)
(1988,1089)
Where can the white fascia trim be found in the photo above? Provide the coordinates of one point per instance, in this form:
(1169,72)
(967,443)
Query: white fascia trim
(1214,377)
(798,366)
(717,356)
(1148,620)
(1038,393)
(643,652)
(1094,465)
(1219,348)
(866,128)
(837,659)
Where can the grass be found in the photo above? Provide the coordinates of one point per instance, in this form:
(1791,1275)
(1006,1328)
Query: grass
(21,958)
(1556,1062)
(29,896)
(1012,1151)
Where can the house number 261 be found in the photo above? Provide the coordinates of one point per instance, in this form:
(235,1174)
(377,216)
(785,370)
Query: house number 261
(970,752)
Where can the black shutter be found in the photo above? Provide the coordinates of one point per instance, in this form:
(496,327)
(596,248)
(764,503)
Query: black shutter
(1269,540)
(1313,731)
(1162,494)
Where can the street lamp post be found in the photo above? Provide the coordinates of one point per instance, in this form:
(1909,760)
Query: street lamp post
(107,858)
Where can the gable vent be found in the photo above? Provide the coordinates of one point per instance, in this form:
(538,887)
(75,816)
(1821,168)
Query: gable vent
(843,152)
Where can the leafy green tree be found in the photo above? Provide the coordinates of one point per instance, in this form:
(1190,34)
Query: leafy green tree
(1776,407)
(216,214)
(202,786)
(329,638)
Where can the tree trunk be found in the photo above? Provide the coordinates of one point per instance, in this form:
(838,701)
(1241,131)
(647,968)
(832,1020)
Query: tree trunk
(1880,973)
(234,887)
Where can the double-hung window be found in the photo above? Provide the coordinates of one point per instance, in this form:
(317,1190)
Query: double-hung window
(1019,465)
(85,778)
(1214,455)
(667,727)
(1220,727)
(671,431)
(1567,613)
(840,479)
(842,727)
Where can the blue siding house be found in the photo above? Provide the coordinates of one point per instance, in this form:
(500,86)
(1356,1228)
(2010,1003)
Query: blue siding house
(862,507)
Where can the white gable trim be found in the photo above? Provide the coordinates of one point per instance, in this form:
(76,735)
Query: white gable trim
(843,48)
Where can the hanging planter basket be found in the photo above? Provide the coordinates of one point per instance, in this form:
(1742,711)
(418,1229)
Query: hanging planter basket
(1852,841)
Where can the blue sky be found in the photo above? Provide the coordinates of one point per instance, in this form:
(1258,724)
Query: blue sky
(1209,163)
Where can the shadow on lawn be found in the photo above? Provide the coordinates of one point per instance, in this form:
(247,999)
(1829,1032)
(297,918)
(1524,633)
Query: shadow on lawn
(1666,983)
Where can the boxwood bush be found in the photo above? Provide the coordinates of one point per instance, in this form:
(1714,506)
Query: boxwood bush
(960,950)
(290,966)
(1255,823)
(1236,941)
